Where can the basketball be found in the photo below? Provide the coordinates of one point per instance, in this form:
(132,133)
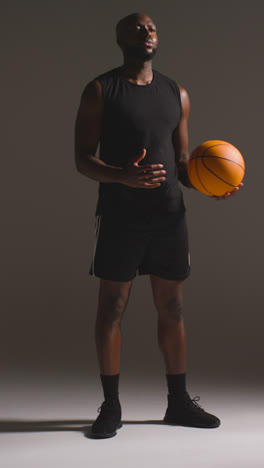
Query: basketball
(216,167)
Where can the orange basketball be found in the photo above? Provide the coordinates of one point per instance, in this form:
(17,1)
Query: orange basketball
(216,167)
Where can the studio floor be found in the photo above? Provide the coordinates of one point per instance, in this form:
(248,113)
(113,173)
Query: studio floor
(48,426)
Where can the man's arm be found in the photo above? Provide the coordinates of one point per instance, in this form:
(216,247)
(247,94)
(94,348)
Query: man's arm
(87,133)
(180,140)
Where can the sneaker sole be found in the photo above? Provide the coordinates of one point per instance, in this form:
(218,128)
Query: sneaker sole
(104,435)
(190,425)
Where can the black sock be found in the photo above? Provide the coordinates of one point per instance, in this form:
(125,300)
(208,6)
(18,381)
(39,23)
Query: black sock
(176,384)
(110,387)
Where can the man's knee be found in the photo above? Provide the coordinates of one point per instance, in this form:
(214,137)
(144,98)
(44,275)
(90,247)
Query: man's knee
(111,309)
(172,308)
(169,304)
(112,303)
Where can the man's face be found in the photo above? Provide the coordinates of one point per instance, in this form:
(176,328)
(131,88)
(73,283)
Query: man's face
(139,38)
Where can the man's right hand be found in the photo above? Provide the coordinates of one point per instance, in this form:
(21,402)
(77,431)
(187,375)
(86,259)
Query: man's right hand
(148,176)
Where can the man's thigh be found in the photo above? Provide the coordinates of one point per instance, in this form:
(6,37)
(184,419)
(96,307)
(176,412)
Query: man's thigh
(167,255)
(119,248)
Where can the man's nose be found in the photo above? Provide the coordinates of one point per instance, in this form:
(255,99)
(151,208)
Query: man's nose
(146,33)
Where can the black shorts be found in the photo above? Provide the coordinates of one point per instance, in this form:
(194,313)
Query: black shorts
(126,246)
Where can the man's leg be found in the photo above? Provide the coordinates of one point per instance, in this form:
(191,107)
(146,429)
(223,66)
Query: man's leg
(112,302)
(168,299)
(181,410)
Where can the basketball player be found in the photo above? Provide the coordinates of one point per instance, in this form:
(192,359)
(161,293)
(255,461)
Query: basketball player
(140,118)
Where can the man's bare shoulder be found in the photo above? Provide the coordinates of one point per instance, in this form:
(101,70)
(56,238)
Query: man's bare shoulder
(185,99)
(96,86)
(184,93)
(92,90)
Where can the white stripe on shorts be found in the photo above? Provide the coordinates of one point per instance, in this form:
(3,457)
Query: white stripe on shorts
(96,232)
(189,257)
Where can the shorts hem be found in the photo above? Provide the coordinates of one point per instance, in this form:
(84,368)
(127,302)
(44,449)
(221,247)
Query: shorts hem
(165,276)
(106,277)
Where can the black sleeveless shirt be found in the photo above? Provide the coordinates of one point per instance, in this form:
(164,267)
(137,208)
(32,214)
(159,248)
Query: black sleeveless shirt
(137,117)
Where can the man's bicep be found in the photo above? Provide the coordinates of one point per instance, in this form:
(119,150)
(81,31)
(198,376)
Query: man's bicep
(87,130)
(180,134)
(180,139)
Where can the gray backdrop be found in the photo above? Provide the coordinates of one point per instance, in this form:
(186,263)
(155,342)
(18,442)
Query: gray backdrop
(51,50)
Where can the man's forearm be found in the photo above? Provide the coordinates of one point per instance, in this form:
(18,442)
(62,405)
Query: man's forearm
(183,175)
(96,169)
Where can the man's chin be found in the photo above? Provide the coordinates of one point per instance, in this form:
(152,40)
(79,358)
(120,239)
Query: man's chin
(141,54)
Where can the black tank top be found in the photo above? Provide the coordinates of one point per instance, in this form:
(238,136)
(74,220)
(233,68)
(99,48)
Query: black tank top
(137,117)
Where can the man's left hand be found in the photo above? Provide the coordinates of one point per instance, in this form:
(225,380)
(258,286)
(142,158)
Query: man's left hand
(228,194)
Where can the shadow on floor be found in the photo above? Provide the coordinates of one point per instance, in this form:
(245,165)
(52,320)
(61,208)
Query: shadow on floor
(81,425)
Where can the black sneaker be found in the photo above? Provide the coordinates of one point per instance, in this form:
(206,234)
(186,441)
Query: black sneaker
(108,421)
(187,412)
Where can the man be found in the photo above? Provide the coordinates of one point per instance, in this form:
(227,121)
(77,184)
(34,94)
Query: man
(140,118)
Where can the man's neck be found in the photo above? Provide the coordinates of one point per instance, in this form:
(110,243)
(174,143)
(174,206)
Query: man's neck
(137,72)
